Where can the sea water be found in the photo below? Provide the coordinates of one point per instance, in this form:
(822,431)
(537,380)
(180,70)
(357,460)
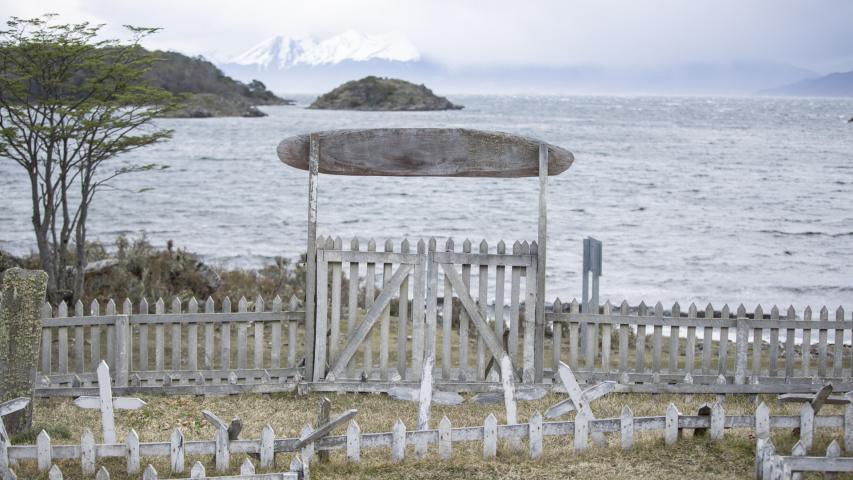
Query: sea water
(723,200)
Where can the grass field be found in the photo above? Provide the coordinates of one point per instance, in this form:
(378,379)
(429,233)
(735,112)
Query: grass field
(287,413)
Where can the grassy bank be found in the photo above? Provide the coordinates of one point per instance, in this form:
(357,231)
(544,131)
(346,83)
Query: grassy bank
(691,458)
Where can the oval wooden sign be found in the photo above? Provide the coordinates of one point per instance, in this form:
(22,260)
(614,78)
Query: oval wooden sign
(424,152)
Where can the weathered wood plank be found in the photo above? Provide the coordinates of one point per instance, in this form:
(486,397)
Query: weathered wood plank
(225,337)
(473,311)
(362,331)
(258,336)
(176,451)
(398,441)
(353,442)
(757,340)
(556,338)
(657,339)
(402,318)
(707,340)
(626,428)
(79,364)
(690,347)
(674,339)
(87,452)
(490,436)
(445,442)
(243,337)
(624,330)
(482,300)
(773,369)
(431,299)
(177,346)
(670,434)
(605,338)
(838,358)
(418,318)
(463,289)
(192,333)
(807,425)
(324,430)
(447,320)
(322,317)
(640,347)
(313,164)
(62,350)
(789,344)
(723,356)
(514,306)
(267,453)
(385,319)
(741,346)
(45,455)
(446,152)
(530,355)
(132,444)
(209,354)
(369,299)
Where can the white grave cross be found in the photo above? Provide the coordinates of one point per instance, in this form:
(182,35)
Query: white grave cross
(579,400)
(106,403)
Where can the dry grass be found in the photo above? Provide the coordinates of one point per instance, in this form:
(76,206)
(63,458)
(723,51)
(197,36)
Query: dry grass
(692,457)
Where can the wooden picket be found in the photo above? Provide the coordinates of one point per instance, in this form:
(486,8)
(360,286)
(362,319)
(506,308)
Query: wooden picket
(142,359)
(260,346)
(396,441)
(726,340)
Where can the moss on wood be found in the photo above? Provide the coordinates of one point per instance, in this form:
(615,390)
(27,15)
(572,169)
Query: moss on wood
(20,334)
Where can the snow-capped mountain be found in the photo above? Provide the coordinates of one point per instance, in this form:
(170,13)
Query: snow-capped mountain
(305,64)
(284,52)
(308,65)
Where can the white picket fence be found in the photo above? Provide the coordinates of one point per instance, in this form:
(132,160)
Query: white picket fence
(184,350)
(444,437)
(756,352)
(247,472)
(770,465)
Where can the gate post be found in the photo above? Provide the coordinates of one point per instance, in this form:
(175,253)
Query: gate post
(311,256)
(539,343)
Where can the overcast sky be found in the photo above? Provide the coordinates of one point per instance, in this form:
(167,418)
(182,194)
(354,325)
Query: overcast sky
(816,34)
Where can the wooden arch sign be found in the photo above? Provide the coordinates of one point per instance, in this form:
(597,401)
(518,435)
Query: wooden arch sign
(424,152)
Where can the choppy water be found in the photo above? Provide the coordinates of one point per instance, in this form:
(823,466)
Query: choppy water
(696,199)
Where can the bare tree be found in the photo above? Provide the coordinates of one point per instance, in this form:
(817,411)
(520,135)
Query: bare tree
(70,104)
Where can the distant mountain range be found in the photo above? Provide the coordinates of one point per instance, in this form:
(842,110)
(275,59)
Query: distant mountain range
(308,65)
(832,85)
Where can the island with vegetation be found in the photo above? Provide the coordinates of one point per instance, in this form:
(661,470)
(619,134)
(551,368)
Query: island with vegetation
(202,90)
(382,94)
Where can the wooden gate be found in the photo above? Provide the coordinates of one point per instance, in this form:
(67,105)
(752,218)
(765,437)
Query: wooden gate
(490,336)
(336,344)
(435,152)
(424,300)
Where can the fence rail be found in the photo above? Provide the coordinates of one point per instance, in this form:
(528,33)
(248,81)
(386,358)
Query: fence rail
(701,345)
(771,465)
(627,426)
(181,346)
(438,293)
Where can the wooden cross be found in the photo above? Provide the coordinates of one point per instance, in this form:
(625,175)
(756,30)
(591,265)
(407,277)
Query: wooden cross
(818,400)
(579,400)
(106,403)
